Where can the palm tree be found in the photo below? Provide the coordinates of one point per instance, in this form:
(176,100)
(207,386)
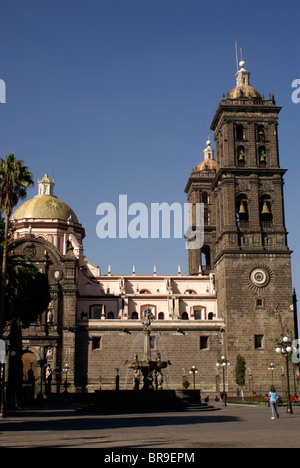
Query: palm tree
(15,179)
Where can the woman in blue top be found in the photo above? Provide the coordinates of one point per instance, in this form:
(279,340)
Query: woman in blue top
(273,402)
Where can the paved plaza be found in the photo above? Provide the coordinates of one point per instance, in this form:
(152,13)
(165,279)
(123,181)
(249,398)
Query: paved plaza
(231,427)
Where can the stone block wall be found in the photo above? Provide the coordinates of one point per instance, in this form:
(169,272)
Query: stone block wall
(100,352)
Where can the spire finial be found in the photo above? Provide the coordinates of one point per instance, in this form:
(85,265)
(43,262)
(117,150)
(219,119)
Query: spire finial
(241,50)
(242,62)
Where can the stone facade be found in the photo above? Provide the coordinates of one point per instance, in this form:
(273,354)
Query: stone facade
(245,233)
(93,326)
(110,331)
(52,337)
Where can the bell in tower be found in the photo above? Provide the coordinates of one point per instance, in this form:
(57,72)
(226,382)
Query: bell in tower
(266,209)
(242,210)
(199,190)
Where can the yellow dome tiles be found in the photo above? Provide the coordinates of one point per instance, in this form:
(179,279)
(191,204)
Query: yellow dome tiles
(207,165)
(45,207)
(244,91)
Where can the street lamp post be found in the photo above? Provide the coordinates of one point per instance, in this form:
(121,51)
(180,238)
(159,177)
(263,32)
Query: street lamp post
(272,368)
(193,372)
(66,383)
(285,348)
(223,362)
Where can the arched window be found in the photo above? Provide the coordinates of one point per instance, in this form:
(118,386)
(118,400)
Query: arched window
(190,291)
(161,316)
(206,216)
(145,291)
(261,133)
(241,155)
(205,257)
(204,197)
(110,316)
(135,316)
(240,132)
(210,316)
(185,316)
(262,156)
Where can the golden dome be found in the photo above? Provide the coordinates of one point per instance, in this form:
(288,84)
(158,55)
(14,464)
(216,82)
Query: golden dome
(45,207)
(244,91)
(207,165)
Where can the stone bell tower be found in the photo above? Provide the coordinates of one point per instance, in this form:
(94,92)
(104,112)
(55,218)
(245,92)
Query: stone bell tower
(245,230)
(199,190)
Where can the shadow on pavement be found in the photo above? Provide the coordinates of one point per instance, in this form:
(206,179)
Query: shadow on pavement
(71,421)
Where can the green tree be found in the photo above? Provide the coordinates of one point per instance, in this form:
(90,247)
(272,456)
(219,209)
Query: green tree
(15,179)
(240,372)
(27,297)
(27,292)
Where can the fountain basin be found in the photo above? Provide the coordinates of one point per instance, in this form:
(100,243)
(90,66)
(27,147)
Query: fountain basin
(148,373)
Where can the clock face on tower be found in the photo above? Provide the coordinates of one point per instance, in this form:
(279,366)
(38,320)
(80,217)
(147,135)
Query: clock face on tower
(259,277)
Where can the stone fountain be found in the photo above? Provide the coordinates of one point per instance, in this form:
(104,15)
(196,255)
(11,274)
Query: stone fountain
(147,374)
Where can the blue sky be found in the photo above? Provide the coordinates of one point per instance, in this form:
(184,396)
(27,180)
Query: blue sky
(117,96)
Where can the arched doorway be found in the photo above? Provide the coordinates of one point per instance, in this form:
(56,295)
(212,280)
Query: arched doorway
(29,374)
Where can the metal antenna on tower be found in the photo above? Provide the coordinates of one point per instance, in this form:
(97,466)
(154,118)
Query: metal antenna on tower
(236,55)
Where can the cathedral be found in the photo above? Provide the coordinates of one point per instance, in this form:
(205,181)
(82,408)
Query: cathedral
(93,325)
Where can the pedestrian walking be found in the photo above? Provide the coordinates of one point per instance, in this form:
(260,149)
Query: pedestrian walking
(295,400)
(273,402)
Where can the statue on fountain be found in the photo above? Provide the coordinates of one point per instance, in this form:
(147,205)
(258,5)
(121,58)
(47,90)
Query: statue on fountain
(148,373)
